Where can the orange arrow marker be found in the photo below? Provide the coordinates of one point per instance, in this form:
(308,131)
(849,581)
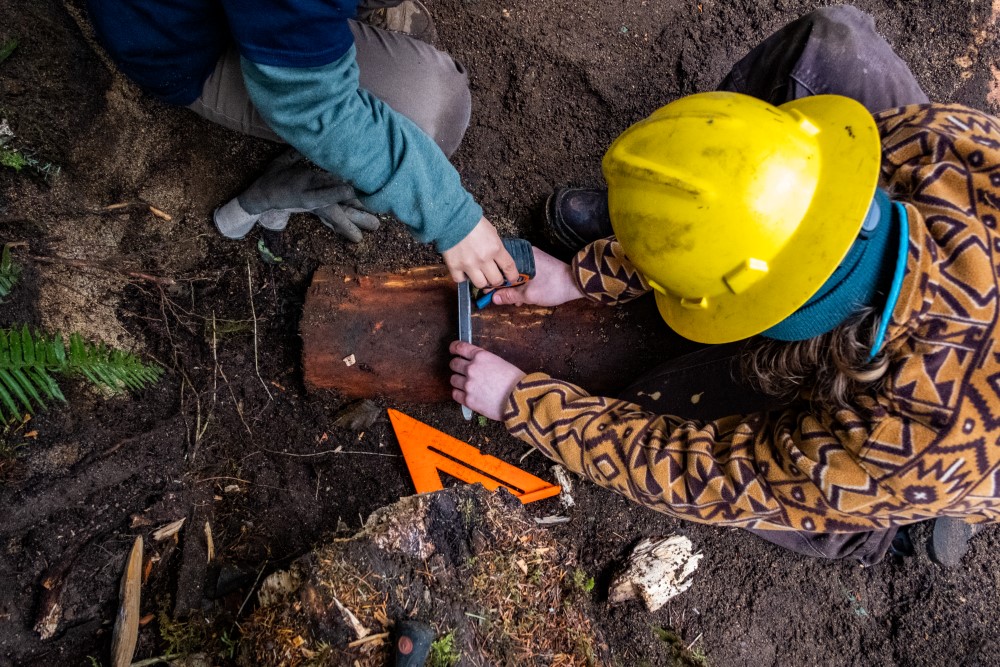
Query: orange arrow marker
(429,452)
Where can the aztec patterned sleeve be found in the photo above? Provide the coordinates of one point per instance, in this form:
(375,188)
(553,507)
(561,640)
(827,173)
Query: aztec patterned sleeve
(925,446)
(605,274)
(747,471)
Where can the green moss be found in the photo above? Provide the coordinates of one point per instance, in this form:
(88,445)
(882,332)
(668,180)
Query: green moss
(443,652)
(12,159)
(680,656)
(582,582)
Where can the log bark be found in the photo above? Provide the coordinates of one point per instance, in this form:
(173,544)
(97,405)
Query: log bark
(388,334)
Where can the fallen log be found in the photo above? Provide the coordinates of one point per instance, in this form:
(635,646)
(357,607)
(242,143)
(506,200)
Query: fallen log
(387,335)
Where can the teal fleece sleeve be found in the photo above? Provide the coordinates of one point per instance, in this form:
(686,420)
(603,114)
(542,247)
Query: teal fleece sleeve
(350,133)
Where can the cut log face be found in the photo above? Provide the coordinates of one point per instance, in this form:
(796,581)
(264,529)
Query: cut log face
(388,334)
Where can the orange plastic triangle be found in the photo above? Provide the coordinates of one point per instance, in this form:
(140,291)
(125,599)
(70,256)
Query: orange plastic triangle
(429,452)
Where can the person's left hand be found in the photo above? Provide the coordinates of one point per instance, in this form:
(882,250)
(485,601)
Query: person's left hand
(482,381)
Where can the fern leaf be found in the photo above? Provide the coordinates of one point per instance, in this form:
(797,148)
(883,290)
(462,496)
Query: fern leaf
(46,383)
(7,401)
(108,367)
(14,387)
(28,386)
(10,272)
(28,360)
(14,345)
(27,346)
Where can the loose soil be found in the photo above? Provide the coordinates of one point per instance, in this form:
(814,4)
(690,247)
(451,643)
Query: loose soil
(231,438)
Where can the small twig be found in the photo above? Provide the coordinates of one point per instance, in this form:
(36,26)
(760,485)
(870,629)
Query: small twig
(382,636)
(328,451)
(213,479)
(84,264)
(691,645)
(253,313)
(149,662)
(252,588)
(263,486)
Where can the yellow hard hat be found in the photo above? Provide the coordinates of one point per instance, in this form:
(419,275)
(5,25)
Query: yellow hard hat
(737,211)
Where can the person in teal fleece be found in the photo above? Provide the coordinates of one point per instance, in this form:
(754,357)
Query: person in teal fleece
(378,111)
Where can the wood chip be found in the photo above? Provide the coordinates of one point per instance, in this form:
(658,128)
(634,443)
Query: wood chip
(146,620)
(160,214)
(48,621)
(521,565)
(168,530)
(656,571)
(115,207)
(553,520)
(359,629)
(126,632)
(209,544)
(380,638)
(566,484)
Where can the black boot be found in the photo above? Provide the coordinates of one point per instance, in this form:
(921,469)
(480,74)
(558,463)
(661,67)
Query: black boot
(576,216)
(950,540)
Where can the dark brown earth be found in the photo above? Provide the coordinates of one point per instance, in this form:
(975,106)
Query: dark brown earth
(249,452)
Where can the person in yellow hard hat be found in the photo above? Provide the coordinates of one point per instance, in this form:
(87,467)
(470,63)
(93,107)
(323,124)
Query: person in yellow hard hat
(841,268)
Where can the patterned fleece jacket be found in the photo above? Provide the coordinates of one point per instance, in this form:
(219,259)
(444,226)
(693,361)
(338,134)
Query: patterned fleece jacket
(928,445)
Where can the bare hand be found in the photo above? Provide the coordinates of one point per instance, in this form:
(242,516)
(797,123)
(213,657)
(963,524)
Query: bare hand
(482,381)
(552,285)
(482,257)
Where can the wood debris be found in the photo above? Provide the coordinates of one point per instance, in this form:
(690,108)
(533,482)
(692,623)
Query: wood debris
(126,632)
(160,214)
(359,629)
(380,638)
(566,484)
(168,530)
(209,543)
(657,571)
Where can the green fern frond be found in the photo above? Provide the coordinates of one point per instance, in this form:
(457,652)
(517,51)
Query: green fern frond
(26,364)
(29,360)
(107,367)
(10,273)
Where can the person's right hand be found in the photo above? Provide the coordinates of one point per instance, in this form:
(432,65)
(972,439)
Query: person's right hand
(552,285)
(482,257)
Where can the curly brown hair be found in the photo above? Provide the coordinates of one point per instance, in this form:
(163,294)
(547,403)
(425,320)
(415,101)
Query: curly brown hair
(829,370)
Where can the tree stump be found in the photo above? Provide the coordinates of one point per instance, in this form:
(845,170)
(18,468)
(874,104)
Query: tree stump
(387,335)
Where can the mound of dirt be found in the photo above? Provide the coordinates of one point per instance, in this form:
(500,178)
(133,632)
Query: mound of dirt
(497,589)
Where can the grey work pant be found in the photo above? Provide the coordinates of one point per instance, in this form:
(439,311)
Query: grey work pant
(414,78)
(834,50)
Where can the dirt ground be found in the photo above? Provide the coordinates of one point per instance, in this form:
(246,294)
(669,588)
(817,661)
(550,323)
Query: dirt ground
(230,437)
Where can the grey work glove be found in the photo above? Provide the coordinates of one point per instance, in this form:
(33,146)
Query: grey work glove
(289,185)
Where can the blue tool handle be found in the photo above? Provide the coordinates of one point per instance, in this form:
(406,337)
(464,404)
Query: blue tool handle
(485,299)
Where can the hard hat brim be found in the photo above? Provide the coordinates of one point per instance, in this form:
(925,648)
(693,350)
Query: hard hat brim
(851,148)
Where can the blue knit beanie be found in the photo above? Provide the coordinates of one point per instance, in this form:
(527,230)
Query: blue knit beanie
(862,279)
